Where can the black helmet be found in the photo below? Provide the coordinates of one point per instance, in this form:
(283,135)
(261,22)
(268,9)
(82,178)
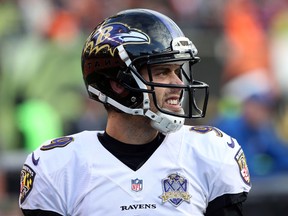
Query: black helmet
(121,45)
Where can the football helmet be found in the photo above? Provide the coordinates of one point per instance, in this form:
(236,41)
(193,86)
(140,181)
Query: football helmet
(120,46)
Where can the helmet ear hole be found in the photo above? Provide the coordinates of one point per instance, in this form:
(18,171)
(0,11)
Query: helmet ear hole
(126,77)
(118,88)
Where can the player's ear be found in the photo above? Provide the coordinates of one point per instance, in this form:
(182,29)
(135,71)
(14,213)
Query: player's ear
(118,88)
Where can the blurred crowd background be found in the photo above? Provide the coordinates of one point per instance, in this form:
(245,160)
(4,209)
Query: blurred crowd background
(243,46)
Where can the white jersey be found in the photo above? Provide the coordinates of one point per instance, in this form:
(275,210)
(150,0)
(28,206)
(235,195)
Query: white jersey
(76,175)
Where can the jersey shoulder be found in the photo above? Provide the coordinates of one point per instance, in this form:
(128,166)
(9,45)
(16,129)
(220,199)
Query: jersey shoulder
(217,152)
(56,163)
(209,137)
(56,153)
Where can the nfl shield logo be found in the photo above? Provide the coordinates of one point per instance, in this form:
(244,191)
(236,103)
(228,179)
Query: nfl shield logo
(136,184)
(175,190)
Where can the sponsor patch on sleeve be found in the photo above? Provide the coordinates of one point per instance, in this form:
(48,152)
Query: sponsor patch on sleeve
(243,167)
(26,182)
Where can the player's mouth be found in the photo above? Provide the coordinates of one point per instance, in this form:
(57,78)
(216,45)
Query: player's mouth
(173,104)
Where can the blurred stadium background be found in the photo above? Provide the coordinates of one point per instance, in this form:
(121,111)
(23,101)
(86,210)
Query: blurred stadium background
(42,94)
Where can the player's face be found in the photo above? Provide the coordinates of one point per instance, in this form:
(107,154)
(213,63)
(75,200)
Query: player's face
(167,98)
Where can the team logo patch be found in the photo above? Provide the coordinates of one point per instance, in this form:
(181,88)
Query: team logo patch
(109,36)
(27,179)
(57,143)
(175,190)
(242,163)
(136,184)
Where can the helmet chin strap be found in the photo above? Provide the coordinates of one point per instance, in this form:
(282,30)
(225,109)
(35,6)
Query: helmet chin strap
(162,122)
(165,123)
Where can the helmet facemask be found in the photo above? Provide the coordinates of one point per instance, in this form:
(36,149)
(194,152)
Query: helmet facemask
(192,92)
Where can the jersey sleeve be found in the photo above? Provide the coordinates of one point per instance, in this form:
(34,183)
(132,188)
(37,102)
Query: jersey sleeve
(232,182)
(54,177)
(46,177)
(233,176)
(37,191)
(224,170)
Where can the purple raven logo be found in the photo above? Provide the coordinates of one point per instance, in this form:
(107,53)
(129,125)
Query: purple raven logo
(109,36)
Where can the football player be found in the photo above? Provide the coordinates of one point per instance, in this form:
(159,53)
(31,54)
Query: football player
(138,63)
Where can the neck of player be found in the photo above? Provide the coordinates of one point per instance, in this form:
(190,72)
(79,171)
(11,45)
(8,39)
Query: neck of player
(130,129)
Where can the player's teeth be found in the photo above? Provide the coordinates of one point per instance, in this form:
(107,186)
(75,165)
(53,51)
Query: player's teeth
(173,102)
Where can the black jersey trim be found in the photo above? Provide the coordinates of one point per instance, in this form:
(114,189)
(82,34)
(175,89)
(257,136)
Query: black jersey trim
(133,156)
(227,201)
(39,212)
